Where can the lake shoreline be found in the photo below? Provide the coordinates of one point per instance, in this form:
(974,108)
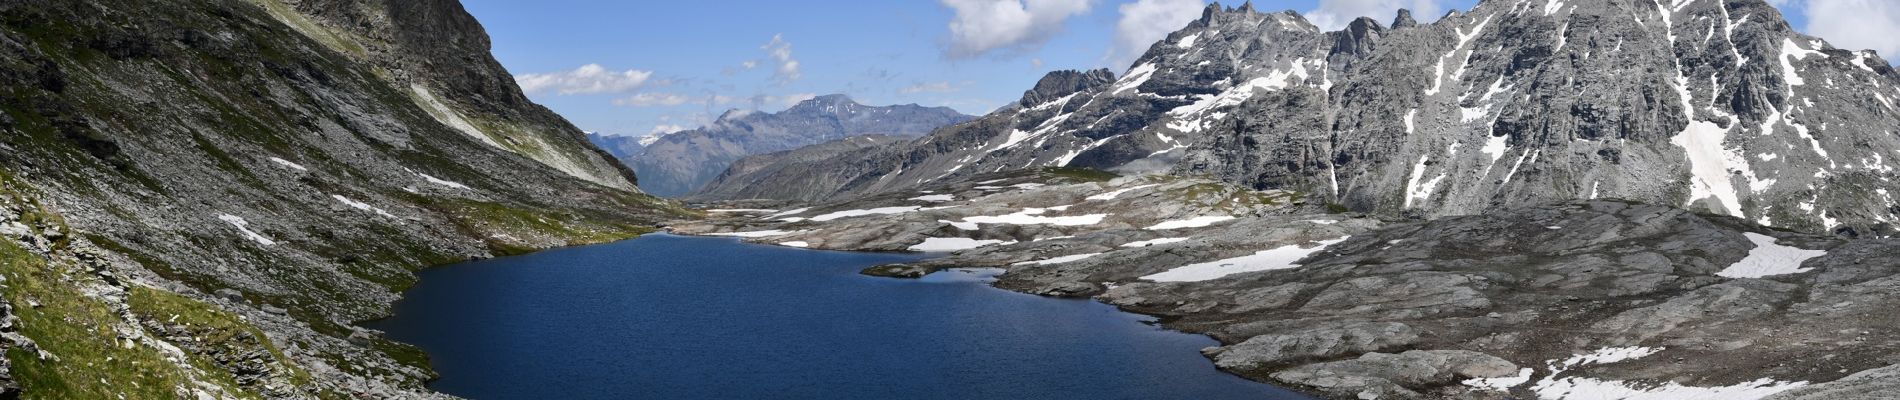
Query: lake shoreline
(453,377)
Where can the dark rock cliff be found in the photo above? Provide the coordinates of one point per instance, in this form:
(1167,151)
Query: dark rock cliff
(201,197)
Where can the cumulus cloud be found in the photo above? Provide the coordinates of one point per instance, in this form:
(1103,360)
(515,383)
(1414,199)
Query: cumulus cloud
(1853,24)
(1335,14)
(663,129)
(588,79)
(1145,21)
(932,87)
(779,52)
(788,100)
(981,27)
(654,100)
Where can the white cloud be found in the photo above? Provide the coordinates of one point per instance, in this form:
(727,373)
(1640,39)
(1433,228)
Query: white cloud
(664,129)
(1853,24)
(588,79)
(654,99)
(780,51)
(1335,14)
(931,87)
(983,26)
(1145,21)
(763,100)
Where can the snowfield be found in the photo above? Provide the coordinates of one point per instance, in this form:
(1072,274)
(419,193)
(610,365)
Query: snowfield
(352,203)
(244,227)
(755,234)
(938,245)
(1151,242)
(1032,216)
(864,212)
(1282,257)
(1059,260)
(288,164)
(442,182)
(1119,192)
(1552,387)
(1769,258)
(1196,222)
(934,198)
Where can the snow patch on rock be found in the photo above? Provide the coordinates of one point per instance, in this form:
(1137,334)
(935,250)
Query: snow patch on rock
(244,227)
(1151,242)
(937,245)
(1769,258)
(1195,222)
(1282,257)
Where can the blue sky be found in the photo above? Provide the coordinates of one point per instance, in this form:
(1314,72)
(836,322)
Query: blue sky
(633,68)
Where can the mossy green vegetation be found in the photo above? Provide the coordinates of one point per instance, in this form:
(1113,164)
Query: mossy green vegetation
(1079,174)
(219,339)
(490,220)
(87,358)
(1232,198)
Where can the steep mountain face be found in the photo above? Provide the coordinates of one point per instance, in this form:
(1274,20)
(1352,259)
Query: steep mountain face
(681,162)
(803,161)
(1716,105)
(438,55)
(199,198)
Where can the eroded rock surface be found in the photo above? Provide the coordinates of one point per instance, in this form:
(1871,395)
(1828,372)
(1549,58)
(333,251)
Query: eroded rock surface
(1548,301)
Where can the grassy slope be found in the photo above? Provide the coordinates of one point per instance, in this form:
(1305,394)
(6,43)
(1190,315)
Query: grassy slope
(68,125)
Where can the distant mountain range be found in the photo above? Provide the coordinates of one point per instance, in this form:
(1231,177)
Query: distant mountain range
(676,164)
(619,146)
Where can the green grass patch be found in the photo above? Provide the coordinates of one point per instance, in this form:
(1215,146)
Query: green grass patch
(89,360)
(218,337)
(1080,174)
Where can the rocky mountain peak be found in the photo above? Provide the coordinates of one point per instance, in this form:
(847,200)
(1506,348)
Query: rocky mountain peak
(1057,84)
(1716,105)
(828,104)
(1404,20)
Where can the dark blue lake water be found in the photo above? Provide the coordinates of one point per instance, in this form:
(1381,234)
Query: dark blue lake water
(680,317)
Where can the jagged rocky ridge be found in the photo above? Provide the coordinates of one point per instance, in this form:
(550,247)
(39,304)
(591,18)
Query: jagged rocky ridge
(1579,299)
(199,198)
(681,162)
(1712,104)
(438,55)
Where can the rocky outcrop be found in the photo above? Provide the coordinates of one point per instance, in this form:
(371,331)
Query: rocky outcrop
(216,191)
(679,163)
(437,55)
(1558,300)
(1712,105)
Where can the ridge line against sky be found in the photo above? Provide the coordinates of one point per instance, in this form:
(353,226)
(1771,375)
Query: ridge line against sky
(638,68)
